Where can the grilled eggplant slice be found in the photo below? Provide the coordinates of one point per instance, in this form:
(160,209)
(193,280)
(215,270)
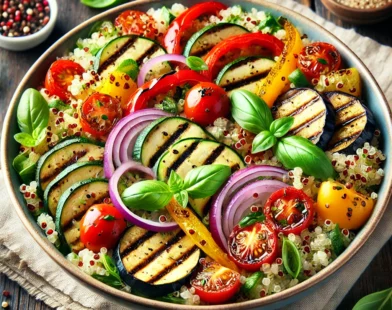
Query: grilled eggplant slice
(73,204)
(314,119)
(244,73)
(157,137)
(191,153)
(155,264)
(355,124)
(75,173)
(63,155)
(205,39)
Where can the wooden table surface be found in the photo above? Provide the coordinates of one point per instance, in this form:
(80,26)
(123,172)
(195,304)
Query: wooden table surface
(13,66)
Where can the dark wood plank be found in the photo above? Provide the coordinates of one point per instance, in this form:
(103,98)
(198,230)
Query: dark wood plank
(13,66)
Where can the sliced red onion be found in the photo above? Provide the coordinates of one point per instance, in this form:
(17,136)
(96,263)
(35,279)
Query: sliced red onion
(128,123)
(125,211)
(154,61)
(239,206)
(235,183)
(128,142)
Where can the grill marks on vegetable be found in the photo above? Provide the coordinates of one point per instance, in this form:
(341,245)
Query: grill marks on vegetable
(353,120)
(175,165)
(157,258)
(308,109)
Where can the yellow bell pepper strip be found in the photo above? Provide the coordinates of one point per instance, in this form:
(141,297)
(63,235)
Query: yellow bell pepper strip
(277,79)
(199,234)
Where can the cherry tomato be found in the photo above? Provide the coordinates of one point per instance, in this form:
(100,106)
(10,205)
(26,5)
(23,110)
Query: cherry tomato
(242,45)
(252,246)
(205,102)
(136,22)
(290,209)
(60,76)
(148,94)
(99,113)
(318,58)
(101,226)
(216,284)
(188,23)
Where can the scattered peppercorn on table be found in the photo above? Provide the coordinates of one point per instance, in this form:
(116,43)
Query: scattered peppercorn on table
(71,14)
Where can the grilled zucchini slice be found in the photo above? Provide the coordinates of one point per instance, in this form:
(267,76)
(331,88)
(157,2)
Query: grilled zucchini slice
(73,204)
(244,73)
(314,119)
(129,47)
(155,264)
(63,155)
(191,153)
(157,137)
(205,39)
(75,173)
(355,124)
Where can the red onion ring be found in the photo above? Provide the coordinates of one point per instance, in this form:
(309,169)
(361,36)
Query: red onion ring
(236,182)
(245,198)
(125,211)
(126,124)
(154,61)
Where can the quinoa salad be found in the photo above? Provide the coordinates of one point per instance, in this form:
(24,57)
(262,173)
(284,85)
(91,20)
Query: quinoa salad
(202,155)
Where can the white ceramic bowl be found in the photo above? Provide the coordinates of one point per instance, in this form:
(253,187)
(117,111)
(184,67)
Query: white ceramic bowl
(26,42)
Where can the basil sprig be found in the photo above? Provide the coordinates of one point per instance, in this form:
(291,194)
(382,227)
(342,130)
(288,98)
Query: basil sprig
(113,278)
(154,195)
(252,218)
(291,258)
(253,114)
(196,63)
(33,117)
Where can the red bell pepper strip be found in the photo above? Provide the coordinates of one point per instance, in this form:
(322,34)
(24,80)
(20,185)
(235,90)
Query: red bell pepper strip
(143,95)
(184,26)
(243,45)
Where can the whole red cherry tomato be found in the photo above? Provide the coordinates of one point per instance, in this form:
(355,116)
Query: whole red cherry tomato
(205,102)
(101,226)
(60,76)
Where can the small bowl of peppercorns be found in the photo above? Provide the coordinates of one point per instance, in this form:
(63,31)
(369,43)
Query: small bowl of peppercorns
(25,24)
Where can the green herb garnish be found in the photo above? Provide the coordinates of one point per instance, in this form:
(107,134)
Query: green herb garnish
(252,218)
(196,63)
(322,61)
(376,301)
(291,258)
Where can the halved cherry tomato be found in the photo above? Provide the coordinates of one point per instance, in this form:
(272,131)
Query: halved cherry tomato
(188,23)
(243,45)
(146,96)
(290,209)
(318,58)
(101,226)
(252,246)
(216,284)
(205,102)
(60,76)
(99,113)
(136,22)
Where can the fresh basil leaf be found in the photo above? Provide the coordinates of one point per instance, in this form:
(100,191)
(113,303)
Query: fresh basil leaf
(175,182)
(100,4)
(281,126)
(196,63)
(250,111)
(149,195)
(336,237)
(251,282)
(109,265)
(263,141)
(322,61)
(295,151)
(376,301)
(204,181)
(33,112)
(291,258)
(271,23)
(129,67)
(59,105)
(168,105)
(25,167)
(167,15)
(182,198)
(109,280)
(251,218)
(25,139)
